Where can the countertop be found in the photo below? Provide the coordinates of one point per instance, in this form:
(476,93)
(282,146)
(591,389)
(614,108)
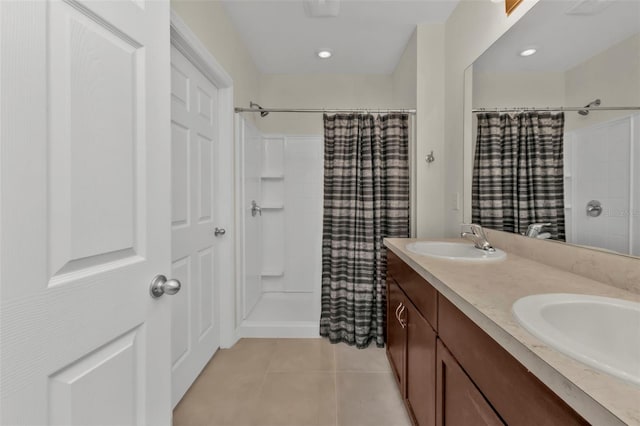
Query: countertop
(485,292)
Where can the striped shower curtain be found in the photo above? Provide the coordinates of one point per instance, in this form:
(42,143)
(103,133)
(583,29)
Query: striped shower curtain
(518,173)
(366,198)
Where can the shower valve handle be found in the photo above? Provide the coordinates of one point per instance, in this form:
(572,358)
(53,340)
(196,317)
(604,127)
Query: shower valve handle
(255,208)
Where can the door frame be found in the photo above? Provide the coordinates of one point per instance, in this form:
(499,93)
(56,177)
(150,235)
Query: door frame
(185,40)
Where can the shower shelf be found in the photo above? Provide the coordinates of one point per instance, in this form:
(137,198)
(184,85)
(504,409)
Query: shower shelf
(274,177)
(272,206)
(272,273)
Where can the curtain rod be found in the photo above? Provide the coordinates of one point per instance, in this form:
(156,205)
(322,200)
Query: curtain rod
(327,110)
(559,109)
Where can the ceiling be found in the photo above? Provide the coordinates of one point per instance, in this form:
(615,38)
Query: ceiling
(563,40)
(367,36)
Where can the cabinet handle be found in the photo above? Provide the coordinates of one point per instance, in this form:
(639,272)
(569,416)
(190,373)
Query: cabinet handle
(397,315)
(403,323)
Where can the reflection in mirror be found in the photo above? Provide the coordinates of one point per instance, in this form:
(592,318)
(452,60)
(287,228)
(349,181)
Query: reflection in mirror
(556,133)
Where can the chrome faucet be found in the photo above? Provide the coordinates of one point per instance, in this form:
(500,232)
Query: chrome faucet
(478,237)
(535,229)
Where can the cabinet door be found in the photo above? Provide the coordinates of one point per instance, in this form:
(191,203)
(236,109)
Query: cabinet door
(458,401)
(421,367)
(396,334)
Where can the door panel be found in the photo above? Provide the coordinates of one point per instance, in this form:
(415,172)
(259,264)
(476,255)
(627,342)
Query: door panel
(83,212)
(107,374)
(459,402)
(396,334)
(194,111)
(93,134)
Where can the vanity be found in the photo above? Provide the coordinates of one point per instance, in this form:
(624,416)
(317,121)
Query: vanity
(460,358)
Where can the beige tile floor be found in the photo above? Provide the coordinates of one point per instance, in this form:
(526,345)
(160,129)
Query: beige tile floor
(293,382)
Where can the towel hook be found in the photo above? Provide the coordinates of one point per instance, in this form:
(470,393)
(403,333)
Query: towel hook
(430,158)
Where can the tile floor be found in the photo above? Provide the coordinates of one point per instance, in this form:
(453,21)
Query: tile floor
(293,382)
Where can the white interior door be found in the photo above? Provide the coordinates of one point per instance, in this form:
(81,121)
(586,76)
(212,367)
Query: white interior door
(84,211)
(194,140)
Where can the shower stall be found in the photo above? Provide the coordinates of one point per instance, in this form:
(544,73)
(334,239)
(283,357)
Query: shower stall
(280,206)
(602,185)
(280,182)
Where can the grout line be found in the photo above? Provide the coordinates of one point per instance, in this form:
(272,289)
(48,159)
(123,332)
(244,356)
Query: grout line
(264,376)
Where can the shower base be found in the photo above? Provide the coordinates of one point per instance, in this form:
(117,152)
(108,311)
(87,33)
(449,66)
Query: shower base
(283,315)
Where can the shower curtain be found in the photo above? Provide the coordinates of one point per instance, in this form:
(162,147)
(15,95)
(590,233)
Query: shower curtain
(366,198)
(518,173)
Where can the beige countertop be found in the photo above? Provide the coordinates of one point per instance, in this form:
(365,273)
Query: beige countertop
(485,292)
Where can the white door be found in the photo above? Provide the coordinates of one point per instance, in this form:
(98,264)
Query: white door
(84,211)
(195,327)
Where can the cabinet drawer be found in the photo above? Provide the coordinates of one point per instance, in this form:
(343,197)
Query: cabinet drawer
(519,396)
(417,289)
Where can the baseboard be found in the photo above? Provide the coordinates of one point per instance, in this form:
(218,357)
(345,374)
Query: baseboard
(279,329)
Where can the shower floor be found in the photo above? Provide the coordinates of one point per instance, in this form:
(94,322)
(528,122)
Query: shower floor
(283,315)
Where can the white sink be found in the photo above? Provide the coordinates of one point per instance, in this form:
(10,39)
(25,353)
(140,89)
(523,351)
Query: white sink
(601,332)
(454,251)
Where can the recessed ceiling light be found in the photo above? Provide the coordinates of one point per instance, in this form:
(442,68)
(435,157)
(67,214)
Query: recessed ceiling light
(496,1)
(324,53)
(528,52)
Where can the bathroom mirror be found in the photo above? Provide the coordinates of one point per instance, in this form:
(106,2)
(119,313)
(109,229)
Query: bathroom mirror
(586,52)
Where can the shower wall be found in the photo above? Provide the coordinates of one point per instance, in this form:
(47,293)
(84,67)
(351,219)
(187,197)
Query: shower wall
(281,268)
(604,158)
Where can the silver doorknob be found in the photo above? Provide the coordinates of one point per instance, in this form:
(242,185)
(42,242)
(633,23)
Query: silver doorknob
(160,285)
(219,231)
(594,208)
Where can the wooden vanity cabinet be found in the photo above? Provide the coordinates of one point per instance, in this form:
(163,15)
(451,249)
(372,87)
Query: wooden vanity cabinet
(514,392)
(396,334)
(452,373)
(458,401)
(411,346)
(421,371)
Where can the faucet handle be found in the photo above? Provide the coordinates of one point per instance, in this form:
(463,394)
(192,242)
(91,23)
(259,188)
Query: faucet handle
(477,230)
(534,229)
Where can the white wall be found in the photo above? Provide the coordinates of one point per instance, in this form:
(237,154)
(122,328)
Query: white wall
(531,89)
(470,30)
(318,91)
(430,130)
(404,79)
(613,76)
(209,21)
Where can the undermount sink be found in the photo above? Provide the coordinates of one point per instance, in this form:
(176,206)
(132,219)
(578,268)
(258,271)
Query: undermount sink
(454,251)
(601,332)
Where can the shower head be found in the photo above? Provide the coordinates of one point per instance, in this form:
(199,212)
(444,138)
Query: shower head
(589,105)
(255,105)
